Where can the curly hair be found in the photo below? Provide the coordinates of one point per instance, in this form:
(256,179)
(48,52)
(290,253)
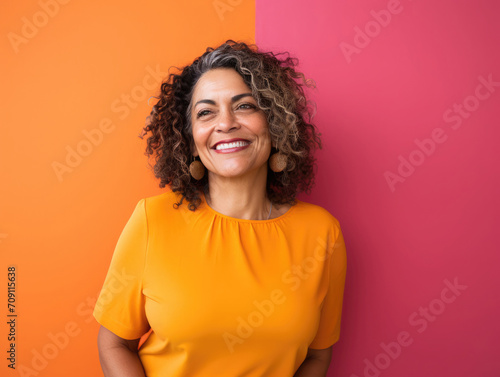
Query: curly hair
(278,94)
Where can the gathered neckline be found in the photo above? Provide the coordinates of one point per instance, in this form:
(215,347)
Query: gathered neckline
(248,220)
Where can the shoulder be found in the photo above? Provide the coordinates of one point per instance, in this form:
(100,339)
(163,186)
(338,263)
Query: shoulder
(160,200)
(316,214)
(161,206)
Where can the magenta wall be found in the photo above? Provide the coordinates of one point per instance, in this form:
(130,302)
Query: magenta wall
(408,97)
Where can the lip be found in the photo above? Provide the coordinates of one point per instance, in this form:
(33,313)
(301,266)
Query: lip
(229,141)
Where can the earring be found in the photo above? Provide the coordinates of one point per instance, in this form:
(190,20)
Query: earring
(277,162)
(196,169)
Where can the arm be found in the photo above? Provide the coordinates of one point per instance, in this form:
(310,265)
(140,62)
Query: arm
(118,356)
(315,364)
(317,361)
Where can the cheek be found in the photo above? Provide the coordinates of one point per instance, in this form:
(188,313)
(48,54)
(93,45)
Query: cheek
(259,127)
(263,132)
(200,136)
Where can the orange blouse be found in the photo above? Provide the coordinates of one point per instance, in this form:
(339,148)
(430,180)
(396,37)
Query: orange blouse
(224,296)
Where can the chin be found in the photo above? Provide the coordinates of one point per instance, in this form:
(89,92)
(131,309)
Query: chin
(231,171)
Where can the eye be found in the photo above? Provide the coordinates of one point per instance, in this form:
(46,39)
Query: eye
(205,112)
(247,104)
(201,113)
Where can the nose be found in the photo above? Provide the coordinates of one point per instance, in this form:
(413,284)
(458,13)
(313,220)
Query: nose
(226,121)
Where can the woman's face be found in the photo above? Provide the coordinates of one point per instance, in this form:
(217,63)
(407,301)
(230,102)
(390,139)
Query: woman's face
(224,109)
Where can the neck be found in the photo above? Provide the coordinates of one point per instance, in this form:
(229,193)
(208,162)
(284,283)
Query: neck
(241,197)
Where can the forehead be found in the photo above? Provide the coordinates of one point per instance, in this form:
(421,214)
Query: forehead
(219,80)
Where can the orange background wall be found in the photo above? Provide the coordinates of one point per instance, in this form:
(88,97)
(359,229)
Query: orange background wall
(76,78)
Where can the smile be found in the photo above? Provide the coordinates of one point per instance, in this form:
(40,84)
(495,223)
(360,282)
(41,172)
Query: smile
(231,147)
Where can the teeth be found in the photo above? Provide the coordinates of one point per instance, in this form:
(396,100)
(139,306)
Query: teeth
(231,145)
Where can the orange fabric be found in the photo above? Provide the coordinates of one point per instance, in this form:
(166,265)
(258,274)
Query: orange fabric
(225,296)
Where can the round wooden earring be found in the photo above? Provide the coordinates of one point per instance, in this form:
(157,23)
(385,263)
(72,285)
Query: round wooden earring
(197,170)
(277,162)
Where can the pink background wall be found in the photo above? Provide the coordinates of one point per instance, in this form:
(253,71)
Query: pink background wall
(416,220)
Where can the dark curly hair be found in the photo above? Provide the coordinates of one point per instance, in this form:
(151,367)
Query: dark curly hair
(273,86)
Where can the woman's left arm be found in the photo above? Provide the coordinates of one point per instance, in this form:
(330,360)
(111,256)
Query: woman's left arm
(315,364)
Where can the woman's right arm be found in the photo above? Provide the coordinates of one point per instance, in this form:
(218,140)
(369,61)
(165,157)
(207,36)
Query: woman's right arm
(118,356)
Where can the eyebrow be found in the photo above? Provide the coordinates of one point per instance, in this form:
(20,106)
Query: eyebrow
(233,99)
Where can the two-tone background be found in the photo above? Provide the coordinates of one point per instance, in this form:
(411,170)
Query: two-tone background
(408,103)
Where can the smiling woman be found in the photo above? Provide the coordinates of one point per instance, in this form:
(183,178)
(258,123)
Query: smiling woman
(245,279)
(265,89)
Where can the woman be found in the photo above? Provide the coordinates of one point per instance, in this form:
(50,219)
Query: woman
(230,272)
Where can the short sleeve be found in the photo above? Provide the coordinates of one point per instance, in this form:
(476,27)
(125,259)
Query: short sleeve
(328,332)
(120,305)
